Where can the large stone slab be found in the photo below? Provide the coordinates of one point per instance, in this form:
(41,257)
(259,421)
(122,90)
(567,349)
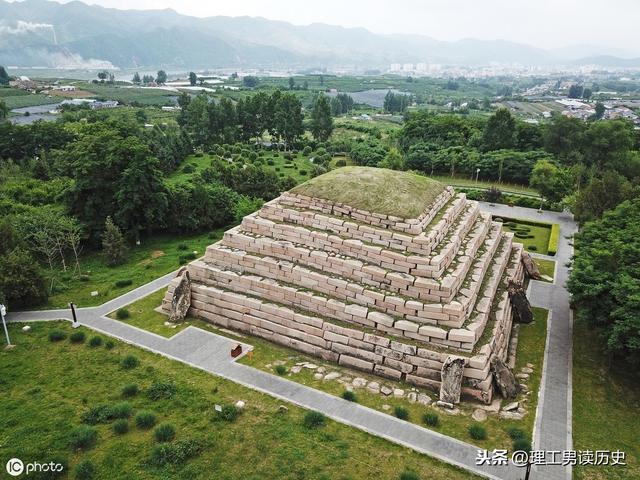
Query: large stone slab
(451,385)
(504,378)
(181,298)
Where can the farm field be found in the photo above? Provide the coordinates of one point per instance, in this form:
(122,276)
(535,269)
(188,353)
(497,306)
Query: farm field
(54,386)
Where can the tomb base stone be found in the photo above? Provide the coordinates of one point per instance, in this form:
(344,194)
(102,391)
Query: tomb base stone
(521,307)
(530,266)
(503,378)
(451,385)
(181,298)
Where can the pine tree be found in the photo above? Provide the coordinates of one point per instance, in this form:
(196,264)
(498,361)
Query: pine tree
(136,78)
(113,243)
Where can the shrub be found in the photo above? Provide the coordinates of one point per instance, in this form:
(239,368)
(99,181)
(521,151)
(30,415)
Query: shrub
(314,419)
(522,444)
(533,248)
(145,419)
(160,390)
(492,195)
(123,283)
(349,396)
(109,344)
(95,341)
(431,419)
(85,470)
(120,426)
(120,410)
(97,414)
(188,168)
(553,239)
(401,412)
(130,362)
(57,335)
(164,432)
(84,278)
(83,437)
(122,314)
(516,433)
(77,337)
(303,173)
(409,476)
(281,369)
(341,163)
(186,257)
(130,390)
(270,162)
(477,432)
(183,246)
(306,150)
(228,413)
(174,453)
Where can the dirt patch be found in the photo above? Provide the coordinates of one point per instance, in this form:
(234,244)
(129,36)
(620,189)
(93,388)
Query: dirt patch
(157,254)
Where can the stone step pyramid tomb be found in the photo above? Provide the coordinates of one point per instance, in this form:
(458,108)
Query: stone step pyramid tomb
(381,271)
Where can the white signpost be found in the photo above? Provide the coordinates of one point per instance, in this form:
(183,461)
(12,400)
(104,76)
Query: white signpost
(3,312)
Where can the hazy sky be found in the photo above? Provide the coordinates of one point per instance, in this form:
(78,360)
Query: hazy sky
(543,23)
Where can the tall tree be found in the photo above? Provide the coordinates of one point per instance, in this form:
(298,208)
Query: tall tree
(161,77)
(113,244)
(4,111)
(136,78)
(4,76)
(292,83)
(193,78)
(600,109)
(500,131)
(321,119)
(551,181)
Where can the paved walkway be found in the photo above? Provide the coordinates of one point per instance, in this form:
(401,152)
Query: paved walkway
(210,352)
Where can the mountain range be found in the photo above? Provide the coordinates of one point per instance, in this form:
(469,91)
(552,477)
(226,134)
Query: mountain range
(77,35)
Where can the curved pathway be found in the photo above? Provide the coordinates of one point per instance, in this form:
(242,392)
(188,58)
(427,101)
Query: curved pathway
(210,352)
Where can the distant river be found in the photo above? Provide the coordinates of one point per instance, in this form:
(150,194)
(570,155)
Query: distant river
(38,112)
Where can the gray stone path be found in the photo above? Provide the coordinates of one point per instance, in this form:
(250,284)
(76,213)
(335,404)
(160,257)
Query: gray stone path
(211,353)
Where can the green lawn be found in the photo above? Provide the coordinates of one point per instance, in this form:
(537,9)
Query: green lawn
(142,96)
(155,257)
(606,407)
(299,168)
(47,387)
(547,268)
(539,231)
(380,190)
(31,100)
(266,354)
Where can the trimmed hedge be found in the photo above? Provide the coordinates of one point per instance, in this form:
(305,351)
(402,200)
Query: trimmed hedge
(553,239)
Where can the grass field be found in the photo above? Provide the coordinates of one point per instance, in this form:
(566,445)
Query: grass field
(606,407)
(30,100)
(540,234)
(467,182)
(266,354)
(389,192)
(153,258)
(299,168)
(47,387)
(142,96)
(547,268)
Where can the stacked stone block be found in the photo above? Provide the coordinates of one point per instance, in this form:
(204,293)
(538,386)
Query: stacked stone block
(382,294)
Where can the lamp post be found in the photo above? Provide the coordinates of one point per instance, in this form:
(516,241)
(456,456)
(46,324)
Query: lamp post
(477,174)
(75,323)
(3,312)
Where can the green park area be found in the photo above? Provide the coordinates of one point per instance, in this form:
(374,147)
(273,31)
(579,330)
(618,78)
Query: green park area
(535,236)
(105,410)
(280,360)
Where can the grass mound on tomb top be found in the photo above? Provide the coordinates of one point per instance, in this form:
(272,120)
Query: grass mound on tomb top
(401,194)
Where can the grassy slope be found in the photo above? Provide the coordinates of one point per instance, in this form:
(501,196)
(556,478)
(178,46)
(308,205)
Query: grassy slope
(467,182)
(153,258)
(47,386)
(530,350)
(606,408)
(402,194)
